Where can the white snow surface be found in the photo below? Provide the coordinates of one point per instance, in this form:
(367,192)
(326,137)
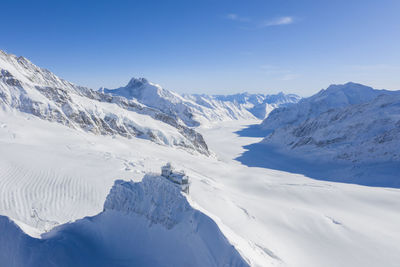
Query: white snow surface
(51,174)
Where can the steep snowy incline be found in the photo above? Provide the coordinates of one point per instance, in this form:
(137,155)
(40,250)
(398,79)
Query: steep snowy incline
(24,71)
(335,96)
(27,88)
(368,132)
(155,96)
(195,110)
(149,223)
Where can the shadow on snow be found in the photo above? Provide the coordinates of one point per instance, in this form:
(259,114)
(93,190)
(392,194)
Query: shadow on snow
(267,156)
(253,130)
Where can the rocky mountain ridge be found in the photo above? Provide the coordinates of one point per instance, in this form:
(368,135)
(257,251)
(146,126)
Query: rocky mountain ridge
(350,122)
(27,88)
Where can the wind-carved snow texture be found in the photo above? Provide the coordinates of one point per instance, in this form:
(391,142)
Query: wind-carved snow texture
(30,89)
(194,110)
(149,223)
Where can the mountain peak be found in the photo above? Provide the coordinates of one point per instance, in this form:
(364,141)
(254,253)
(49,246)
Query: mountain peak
(137,82)
(348,86)
(23,59)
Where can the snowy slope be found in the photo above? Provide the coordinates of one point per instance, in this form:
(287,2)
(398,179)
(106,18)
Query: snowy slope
(348,122)
(51,175)
(143,224)
(195,110)
(368,132)
(173,104)
(260,105)
(335,96)
(347,133)
(30,89)
(240,105)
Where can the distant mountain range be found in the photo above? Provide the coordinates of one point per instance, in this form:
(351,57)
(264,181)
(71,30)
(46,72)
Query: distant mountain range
(196,109)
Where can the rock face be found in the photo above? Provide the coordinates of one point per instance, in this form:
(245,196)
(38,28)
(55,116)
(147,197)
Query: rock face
(194,110)
(143,224)
(351,122)
(30,89)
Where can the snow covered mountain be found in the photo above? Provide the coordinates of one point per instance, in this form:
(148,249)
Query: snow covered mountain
(194,110)
(335,96)
(27,88)
(260,105)
(149,223)
(350,122)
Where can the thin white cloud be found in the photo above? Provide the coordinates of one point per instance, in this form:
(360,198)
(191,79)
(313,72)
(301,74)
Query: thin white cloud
(278,21)
(252,24)
(236,17)
(232,16)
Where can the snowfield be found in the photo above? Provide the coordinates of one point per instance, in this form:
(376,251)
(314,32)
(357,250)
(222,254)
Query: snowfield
(52,174)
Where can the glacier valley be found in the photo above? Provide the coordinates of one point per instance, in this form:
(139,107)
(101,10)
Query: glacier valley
(80,180)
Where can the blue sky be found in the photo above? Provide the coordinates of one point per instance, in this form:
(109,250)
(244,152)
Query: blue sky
(210,46)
